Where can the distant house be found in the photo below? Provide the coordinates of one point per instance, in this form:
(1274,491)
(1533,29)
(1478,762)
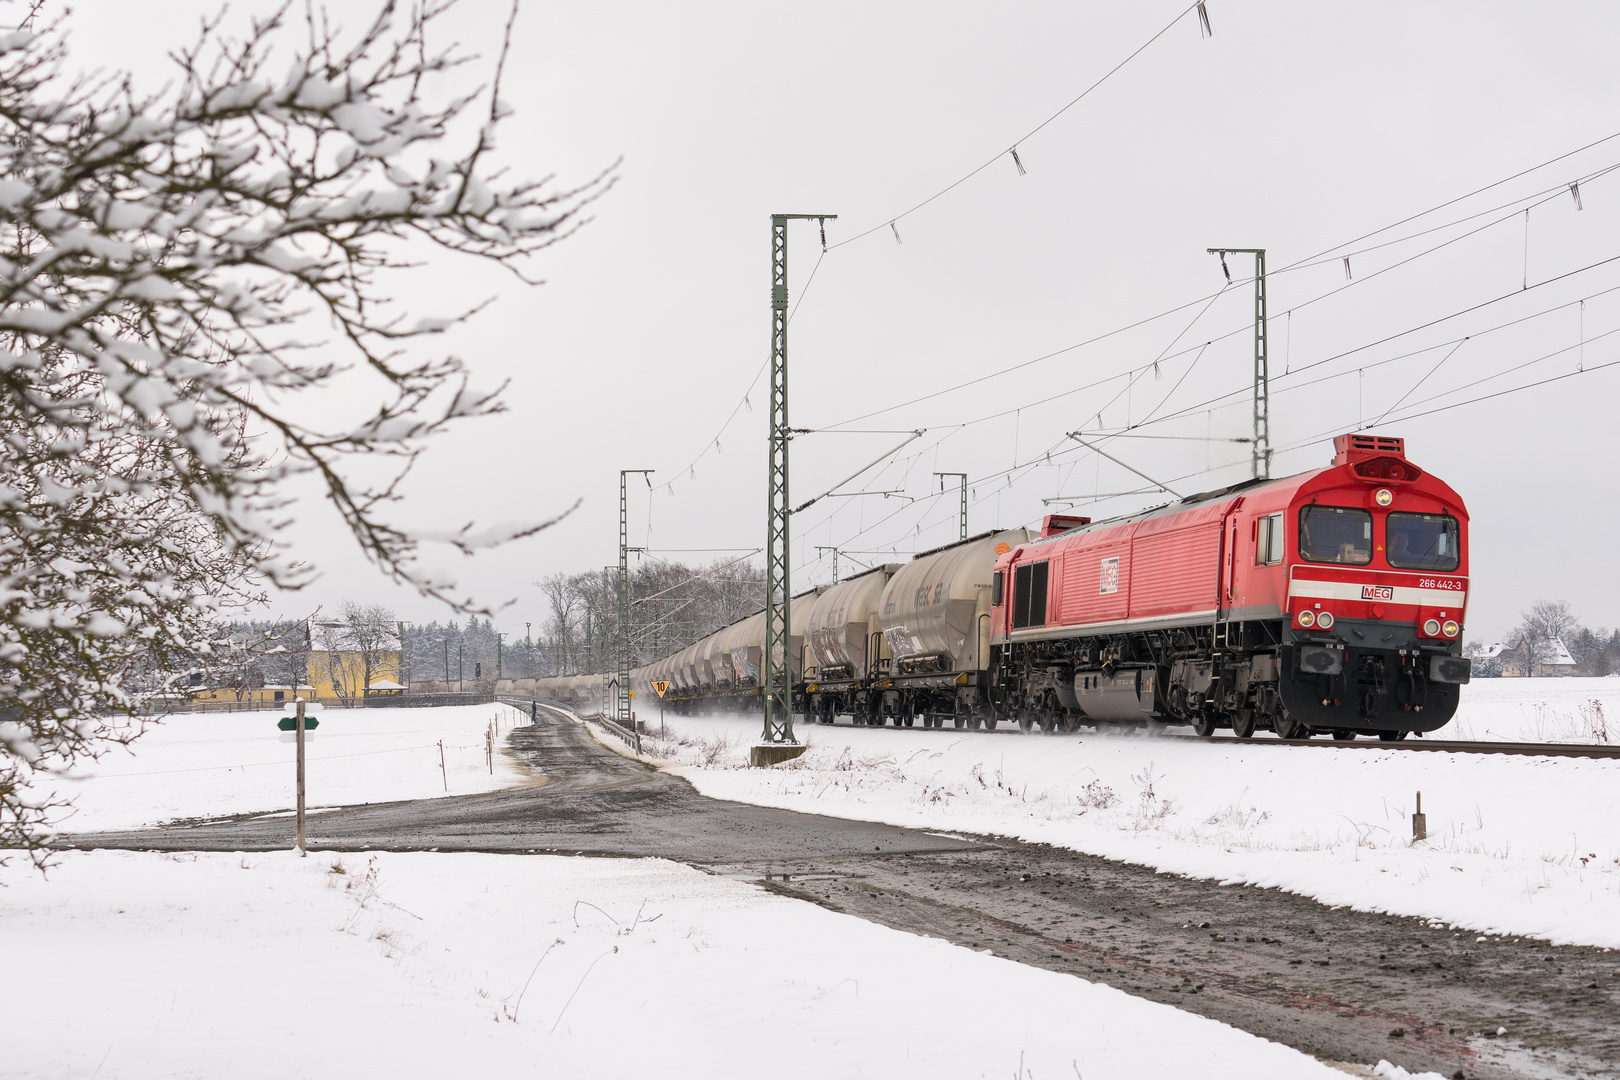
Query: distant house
(348,664)
(1517,662)
(258,696)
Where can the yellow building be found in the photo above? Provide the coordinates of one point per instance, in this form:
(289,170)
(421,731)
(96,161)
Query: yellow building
(339,675)
(260,697)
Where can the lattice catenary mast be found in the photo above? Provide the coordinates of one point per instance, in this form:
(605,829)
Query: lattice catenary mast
(621,711)
(777,662)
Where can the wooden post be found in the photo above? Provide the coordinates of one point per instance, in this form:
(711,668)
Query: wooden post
(442,771)
(1420,822)
(299,727)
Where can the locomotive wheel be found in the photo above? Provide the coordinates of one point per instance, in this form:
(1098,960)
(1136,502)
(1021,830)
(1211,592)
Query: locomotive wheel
(1393,736)
(1204,726)
(990,723)
(1343,735)
(1243,724)
(1026,721)
(1286,728)
(961,722)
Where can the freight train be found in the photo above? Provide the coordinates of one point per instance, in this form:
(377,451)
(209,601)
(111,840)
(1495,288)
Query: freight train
(1331,601)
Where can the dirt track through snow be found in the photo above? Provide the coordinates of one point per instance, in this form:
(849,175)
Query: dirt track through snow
(1342,985)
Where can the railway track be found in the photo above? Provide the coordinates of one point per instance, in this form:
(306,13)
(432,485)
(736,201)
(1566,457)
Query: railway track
(1445,746)
(1432,745)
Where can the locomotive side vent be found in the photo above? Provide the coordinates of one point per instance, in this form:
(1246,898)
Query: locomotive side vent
(1348,449)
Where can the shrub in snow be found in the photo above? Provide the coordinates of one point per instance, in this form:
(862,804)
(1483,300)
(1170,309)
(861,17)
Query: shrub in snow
(181,273)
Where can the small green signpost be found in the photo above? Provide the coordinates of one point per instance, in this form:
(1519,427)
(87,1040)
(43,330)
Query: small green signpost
(299,722)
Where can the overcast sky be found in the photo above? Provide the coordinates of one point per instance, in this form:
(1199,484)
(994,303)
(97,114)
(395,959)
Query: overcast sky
(1294,128)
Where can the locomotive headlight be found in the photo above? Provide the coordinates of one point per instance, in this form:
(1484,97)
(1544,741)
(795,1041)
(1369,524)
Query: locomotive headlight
(1307,618)
(1383,496)
(1324,621)
(1432,627)
(1451,629)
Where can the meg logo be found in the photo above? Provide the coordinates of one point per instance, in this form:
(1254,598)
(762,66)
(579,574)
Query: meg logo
(1377,592)
(1109,580)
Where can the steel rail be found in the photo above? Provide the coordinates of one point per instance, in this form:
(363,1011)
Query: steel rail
(1586,750)
(1445,746)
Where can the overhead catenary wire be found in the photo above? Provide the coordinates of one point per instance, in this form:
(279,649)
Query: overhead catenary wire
(1537,198)
(1151,418)
(1202,405)
(714,443)
(1132,374)
(1012,147)
(1316,438)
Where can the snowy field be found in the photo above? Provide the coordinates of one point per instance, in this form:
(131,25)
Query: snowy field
(212,764)
(1517,845)
(448,964)
(1538,710)
(440,965)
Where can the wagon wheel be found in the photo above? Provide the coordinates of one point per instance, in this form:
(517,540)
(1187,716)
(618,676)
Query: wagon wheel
(1204,725)
(1393,736)
(1026,720)
(1343,735)
(1243,723)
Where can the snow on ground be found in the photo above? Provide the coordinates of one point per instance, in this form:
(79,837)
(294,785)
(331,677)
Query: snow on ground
(1517,845)
(213,764)
(1538,710)
(436,965)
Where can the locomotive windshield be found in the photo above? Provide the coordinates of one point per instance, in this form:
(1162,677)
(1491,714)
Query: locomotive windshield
(1421,541)
(1335,534)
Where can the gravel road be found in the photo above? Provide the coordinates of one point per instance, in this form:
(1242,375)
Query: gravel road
(1341,985)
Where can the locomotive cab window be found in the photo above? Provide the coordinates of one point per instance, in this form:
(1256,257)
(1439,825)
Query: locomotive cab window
(1268,540)
(1029,596)
(1335,534)
(1421,541)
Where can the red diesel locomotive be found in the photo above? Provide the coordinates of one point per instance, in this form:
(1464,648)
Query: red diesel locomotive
(1328,601)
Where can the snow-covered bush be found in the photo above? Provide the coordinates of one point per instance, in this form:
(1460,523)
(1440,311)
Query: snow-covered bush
(181,273)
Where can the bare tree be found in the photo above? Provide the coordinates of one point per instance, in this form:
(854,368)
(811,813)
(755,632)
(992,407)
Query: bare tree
(180,272)
(562,624)
(372,631)
(1542,629)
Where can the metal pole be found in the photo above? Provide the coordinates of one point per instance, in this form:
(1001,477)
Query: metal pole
(447,663)
(834,550)
(1260,459)
(962,517)
(777,662)
(498,651)
(461,663)
(621,708)
(299,727)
